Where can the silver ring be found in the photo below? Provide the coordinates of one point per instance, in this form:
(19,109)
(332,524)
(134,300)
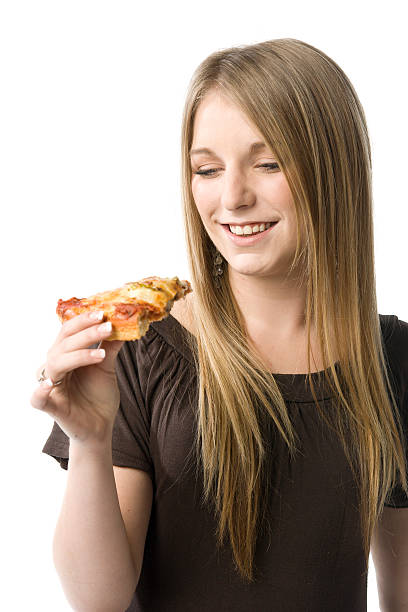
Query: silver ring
(43,377)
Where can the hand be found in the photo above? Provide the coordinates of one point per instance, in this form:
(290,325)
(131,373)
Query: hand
(86,403)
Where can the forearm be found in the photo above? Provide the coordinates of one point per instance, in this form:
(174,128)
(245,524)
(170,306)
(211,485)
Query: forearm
(392,603)
(394,607)
(91,551)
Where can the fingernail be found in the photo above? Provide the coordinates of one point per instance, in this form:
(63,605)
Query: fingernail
(98,353)
(105,327)
(96,315)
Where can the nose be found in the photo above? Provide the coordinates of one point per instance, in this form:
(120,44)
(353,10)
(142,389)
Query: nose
(235,190)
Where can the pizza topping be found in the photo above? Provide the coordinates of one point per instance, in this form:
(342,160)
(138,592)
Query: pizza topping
(67,307)
(69,303)
(159,285)
(137,285)
(125,311)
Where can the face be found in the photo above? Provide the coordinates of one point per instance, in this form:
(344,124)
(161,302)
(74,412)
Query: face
(237,183)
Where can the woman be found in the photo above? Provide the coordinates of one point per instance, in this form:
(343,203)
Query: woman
(239,455)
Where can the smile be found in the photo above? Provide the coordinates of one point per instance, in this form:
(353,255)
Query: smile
(245,230)
(249,237)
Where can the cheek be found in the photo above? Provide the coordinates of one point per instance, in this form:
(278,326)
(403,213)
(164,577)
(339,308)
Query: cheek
(202,197)
(200,188)
(196,191)
(286,200)
(277,193)
(283,188)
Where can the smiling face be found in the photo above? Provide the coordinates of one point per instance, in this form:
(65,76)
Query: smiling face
(243,185)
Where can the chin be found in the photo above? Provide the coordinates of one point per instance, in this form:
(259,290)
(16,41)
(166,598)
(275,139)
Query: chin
(247,270)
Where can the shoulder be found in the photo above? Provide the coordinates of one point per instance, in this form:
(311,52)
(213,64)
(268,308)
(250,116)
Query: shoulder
(166,341)
(392,326)
(395,338)
(155,366)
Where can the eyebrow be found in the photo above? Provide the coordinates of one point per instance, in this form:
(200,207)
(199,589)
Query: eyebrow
(255,146)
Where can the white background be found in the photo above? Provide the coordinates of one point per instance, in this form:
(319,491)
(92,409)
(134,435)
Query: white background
(90,113)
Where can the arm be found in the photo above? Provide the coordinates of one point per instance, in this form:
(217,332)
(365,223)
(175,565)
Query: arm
(98,567)
(135,492)
(389,550)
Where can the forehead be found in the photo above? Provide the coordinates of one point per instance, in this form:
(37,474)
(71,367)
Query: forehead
(218,118)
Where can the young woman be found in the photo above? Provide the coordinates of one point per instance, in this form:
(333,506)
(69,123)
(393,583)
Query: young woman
(247,452)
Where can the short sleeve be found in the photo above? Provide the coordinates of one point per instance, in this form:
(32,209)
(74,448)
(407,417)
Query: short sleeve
(131,431)
(397,352)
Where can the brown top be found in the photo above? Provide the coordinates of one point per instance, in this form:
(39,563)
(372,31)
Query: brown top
(313,558)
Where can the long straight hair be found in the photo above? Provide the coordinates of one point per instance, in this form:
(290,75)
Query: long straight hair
(309,114)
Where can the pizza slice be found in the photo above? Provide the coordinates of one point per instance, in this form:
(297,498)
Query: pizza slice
(130,308)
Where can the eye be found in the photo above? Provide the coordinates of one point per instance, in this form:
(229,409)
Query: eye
(210,172)
(206,172)
(271,166)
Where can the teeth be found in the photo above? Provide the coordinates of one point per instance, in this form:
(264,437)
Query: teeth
(247,229)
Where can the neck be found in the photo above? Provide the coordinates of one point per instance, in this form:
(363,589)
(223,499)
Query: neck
(273,304)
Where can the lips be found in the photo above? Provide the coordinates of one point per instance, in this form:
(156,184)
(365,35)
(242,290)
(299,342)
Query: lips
(270,223)
(247,239)
(250,223)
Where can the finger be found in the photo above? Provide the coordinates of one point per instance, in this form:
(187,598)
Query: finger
(43,374)
(112,348)
(87,338)
(80,322)
(39,371)
(40,399)
(66,362)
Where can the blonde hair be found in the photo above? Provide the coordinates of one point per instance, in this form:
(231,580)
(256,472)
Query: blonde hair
(309,114)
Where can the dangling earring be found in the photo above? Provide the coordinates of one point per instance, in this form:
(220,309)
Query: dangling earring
(218,268)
